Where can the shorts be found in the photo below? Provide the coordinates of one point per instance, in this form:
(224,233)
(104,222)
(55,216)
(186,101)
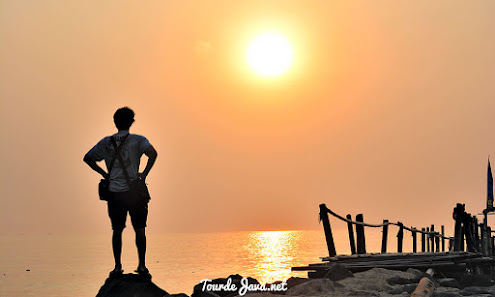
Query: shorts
(123,202)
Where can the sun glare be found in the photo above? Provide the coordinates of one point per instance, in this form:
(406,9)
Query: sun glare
(276,251)
(269,55)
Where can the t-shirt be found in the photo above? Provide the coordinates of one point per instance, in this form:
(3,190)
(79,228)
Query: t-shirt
(131,153)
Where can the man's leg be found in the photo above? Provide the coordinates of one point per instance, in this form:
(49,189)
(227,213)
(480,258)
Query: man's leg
(141,247)
(117,248)
(118,215)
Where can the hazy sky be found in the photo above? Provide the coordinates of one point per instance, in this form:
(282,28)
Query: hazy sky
(387,111)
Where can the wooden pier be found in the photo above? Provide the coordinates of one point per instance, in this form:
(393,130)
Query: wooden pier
(470,250)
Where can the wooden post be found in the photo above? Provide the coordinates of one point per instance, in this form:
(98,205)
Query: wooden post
(484,239)
(437,242)
(384,236)
(351,235)
(490,243)
(414,240)
(328,230)
(485,218)
(477,233)
(467,223)
(400,237)
(432,238)
(423,235)
(458,211)
(462,239)
(443,238)
(361,242)
(428,236)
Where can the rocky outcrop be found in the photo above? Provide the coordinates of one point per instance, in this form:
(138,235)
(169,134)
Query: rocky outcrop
(448,282)
(377,282)
(337,272)
(314,287)
(132,285)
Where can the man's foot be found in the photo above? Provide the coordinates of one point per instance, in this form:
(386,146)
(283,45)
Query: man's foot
(116,272)
(143,272)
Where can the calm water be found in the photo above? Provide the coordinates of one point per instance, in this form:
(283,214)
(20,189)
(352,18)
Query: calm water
(62,265)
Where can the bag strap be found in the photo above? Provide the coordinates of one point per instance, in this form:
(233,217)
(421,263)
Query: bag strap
(117,151)
(119,156)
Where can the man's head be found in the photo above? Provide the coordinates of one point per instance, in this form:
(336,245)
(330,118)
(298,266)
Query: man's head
(123,118)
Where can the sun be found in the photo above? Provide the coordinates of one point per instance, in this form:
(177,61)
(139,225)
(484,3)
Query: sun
(269,55)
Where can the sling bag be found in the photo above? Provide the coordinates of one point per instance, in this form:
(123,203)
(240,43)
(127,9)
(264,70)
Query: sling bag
(104,185)
(137,187)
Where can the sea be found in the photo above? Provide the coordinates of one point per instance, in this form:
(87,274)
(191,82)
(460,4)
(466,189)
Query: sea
(78,264)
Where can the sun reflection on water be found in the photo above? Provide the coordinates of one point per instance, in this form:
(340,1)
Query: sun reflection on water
(274,251)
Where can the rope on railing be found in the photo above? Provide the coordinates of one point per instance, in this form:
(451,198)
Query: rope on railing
(354,222)
(398,224)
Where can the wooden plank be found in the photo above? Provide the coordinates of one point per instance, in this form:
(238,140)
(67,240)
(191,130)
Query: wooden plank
(393,255)
(399,266)
(448,267)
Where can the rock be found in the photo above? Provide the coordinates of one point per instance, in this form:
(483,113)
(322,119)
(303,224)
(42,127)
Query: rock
(130,285)
(294,281)
(408,288)
(475,280)
(279,284)
(448,282)
(208,294)
(376,280)
(446,292)
(230,286)
(403,280)
(363,294)
(419,274)
(469,291)
(291,282)
(336,272)
(321,286)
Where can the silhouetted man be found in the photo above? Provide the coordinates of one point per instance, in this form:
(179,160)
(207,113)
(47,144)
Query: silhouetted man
(122,200)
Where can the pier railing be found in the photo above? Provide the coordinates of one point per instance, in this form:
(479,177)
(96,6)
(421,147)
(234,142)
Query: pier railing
(470,250)
(467,234)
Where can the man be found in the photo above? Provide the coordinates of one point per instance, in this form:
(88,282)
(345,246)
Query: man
(122,200)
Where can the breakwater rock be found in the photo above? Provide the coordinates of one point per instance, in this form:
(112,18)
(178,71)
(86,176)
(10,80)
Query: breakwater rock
(376,282)
(132,285)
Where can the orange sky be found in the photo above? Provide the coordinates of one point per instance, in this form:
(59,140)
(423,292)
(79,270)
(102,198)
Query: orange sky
(387,110)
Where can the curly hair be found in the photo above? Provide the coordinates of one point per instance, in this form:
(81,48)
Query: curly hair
(123,118)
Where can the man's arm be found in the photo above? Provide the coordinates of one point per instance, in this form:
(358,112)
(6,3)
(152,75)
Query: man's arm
(95,166)
(152,154)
